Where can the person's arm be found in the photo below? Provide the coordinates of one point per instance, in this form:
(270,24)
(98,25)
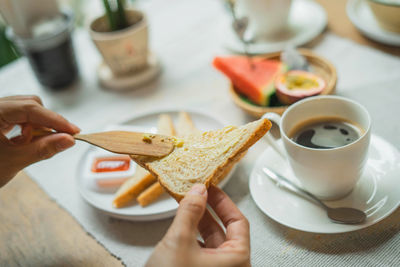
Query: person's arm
(180,246)
(29,113)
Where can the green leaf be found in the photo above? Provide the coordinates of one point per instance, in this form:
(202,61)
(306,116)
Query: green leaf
(122,22)
(8,52)
(110,15)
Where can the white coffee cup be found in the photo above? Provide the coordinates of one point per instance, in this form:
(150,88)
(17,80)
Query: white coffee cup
(327,173)
(266,17)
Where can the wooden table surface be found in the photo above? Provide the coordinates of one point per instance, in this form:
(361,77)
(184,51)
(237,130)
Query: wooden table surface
(340,24)
(35,231)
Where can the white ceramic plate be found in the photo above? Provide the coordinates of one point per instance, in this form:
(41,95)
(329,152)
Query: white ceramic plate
(307,20)
(362,17)
(377,193)
(166,206)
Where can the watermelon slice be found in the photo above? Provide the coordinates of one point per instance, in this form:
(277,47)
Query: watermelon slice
(255,83)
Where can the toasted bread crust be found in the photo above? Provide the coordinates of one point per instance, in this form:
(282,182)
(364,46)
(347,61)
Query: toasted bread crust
(223,168)
(150,194)
(228,168)
(133,187)
(185,125)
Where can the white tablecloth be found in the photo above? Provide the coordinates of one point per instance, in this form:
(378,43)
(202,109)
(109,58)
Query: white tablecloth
(186,35)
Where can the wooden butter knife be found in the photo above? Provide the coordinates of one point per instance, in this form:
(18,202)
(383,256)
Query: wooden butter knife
(124,142)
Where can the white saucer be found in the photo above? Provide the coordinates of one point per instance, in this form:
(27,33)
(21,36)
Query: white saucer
(306,21)
(362,17)
(377,193)
(109,81)
(163,208)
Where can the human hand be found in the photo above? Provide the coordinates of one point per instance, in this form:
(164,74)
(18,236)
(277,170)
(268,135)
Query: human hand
(19,152)
(180,247)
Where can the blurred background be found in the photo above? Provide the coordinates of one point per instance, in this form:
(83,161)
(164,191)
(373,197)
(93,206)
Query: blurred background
(8,51)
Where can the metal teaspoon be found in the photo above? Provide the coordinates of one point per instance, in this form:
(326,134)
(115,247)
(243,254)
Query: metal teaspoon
(338,215)
(240,26)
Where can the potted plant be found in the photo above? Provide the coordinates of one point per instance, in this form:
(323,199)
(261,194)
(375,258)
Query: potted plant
(121,35)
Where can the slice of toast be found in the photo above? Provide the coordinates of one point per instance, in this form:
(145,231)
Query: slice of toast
(151,194)
(133,187)
(184,127)
(203,158)
(142,178)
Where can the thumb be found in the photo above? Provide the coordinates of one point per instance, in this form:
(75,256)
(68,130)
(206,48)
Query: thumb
(190,211)
(46,147)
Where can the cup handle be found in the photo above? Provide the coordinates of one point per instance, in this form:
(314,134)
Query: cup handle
(269,138)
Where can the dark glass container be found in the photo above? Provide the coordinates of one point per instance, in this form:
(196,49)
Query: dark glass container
(51,55)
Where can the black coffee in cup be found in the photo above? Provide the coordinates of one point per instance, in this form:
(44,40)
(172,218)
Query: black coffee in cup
(325,133)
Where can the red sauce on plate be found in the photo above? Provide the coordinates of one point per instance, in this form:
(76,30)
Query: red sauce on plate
(111,164)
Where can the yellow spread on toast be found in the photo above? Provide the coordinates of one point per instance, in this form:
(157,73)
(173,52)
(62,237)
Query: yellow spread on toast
(198,152)
(147,138)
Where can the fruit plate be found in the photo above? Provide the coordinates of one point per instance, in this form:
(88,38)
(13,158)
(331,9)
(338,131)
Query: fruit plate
(319,66)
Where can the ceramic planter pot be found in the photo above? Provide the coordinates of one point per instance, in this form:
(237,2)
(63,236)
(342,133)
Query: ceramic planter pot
(124,51)
(387,13)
